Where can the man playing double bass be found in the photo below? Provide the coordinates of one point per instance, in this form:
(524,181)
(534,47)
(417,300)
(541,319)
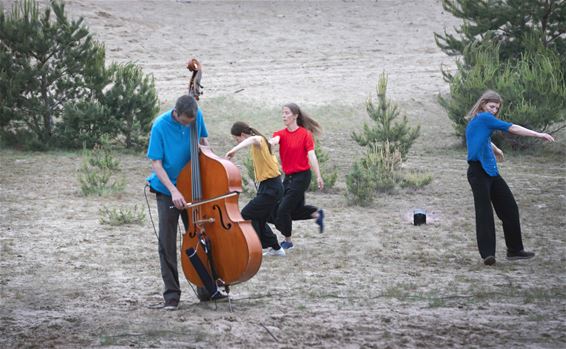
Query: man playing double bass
(169,151)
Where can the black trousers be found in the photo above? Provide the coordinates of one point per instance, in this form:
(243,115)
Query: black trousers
(259,209)
(489,190)
(292,206)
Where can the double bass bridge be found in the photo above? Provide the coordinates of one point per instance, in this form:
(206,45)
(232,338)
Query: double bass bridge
(205,221)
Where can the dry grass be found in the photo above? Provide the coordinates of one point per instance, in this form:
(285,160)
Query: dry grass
(371,280)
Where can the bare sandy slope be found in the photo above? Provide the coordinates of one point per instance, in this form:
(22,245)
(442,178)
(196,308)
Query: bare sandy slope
(372,280)
(313,52)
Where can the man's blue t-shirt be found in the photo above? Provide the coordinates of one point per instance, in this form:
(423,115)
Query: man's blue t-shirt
(169,142)
(478,139)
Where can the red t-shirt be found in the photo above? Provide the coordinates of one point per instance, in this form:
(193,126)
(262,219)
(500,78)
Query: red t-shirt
(293,149)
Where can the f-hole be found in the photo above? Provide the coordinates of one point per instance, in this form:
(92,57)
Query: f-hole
(224,225)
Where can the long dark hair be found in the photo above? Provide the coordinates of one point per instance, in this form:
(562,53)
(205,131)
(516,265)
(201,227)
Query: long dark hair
(304,119)
(240,127)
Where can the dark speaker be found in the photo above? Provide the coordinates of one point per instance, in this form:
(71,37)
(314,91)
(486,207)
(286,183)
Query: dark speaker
(419,217)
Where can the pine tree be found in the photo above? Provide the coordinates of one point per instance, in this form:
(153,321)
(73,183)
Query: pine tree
(387,144)
(387,129)
(509,23)
(133,114)
(533,89)
(46,61)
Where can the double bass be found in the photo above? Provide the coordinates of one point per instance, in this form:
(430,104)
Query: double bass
(219,248)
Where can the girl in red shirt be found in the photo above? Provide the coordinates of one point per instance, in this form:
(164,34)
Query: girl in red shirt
(296,150)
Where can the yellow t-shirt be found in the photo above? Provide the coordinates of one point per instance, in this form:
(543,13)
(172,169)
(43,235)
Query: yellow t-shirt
(265,164)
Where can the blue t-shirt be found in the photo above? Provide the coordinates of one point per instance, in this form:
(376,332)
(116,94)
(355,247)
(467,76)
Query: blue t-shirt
(478,139)
(169,142)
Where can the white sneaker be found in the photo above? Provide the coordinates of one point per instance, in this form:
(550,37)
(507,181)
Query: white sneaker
(271,252)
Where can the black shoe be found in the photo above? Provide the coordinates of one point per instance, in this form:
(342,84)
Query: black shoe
(489,260)
(519,255)
(171,304)
(204,296)
(219,297)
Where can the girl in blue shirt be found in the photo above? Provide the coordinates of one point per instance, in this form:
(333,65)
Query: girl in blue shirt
(488,186)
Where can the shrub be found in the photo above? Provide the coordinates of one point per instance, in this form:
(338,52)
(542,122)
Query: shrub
(533,88)
(387,142)
(121,216)
(46,62)
(54,83)
(415,180)
(383,163)
(513,24)
(386,127)
(131,102)
(361,188)
(377,171)
(97,175)
(84,124)
(248,178)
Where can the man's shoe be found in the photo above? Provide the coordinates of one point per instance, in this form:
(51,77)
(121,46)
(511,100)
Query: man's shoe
(272,252)
(287,245)
(171,304)
(519,255)
(204,296)
(320,220)
(489,260)
(219,297)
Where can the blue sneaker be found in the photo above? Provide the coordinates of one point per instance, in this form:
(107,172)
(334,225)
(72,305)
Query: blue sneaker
(286,245)
(320,220)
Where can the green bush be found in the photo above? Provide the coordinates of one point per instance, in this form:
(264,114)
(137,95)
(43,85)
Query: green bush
(54,83)
(46,62)
(415,180)
(248,177)
(98,172)
(84,124)
(376,172)
(386,127)
(383,164)
(360,185)
(131,102)
(121,216)
(513,24)
(387,142)
(532,88)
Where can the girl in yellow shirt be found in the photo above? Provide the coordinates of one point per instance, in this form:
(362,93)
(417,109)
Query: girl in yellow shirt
(270,190)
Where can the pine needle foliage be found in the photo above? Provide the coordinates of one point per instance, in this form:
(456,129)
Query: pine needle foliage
(132,115)
(389,125)
(46,61)
(533,89)
(84,123)
(55,89)
(248,178)
(121,216)
(99,170)
(376,172)
(509,23)
(387,144)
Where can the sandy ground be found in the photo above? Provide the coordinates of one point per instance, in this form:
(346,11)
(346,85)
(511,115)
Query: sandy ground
(372,280)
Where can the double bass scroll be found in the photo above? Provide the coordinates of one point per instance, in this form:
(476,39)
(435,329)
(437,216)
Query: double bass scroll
(195,88)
